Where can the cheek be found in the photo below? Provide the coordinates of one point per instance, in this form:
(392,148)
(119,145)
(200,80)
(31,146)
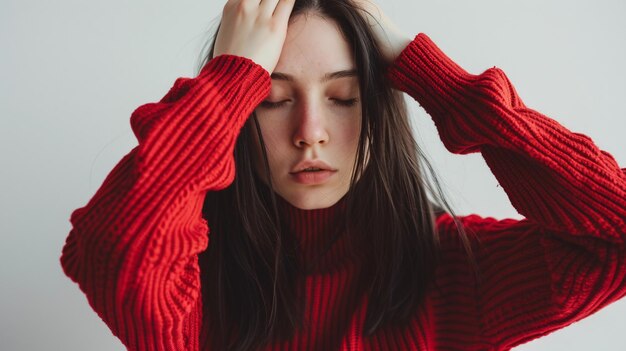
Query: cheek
(274,140)
(350,133)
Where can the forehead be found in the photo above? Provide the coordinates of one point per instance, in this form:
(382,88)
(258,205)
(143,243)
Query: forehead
(313,47)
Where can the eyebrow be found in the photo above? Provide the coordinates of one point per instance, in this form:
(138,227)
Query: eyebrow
(325,78)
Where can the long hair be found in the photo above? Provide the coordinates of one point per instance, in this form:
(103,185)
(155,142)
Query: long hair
(249,290)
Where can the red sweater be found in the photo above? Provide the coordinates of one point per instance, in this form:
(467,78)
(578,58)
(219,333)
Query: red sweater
(134,247)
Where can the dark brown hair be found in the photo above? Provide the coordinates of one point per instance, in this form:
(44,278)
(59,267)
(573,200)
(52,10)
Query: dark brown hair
(249,289)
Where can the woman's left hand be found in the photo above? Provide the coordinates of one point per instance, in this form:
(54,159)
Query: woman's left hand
(390,38)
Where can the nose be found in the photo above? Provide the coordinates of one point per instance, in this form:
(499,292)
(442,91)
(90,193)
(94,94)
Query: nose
(311,128)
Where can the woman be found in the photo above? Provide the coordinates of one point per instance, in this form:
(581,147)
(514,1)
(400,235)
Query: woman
(293,147)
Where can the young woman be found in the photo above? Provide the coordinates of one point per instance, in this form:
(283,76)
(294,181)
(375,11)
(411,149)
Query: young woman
(293,146)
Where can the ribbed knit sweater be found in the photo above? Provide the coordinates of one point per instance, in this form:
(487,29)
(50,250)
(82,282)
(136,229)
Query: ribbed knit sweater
(133,249)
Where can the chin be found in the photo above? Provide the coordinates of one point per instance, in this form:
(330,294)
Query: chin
(312,200)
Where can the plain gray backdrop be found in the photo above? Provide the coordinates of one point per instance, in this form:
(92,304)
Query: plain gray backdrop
(71,73)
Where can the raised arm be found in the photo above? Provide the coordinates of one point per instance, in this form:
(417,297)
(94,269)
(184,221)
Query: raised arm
(563,262)
(133,248)
(555,177)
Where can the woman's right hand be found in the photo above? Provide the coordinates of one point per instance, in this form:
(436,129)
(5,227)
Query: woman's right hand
(255,29)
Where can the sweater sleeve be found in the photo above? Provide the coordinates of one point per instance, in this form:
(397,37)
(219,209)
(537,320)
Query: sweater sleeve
(133,249)
(567,258)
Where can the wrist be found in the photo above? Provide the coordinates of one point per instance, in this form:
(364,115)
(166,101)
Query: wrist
(401,43)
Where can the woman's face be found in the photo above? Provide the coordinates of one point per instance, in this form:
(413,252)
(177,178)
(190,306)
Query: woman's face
(312,118)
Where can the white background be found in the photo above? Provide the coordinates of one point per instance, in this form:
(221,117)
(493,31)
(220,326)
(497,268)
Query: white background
(71,72)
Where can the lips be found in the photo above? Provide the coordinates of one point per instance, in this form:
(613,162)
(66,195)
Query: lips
(311,165)
(312,172)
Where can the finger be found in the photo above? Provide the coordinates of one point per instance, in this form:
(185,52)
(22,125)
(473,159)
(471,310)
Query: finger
(231,3)
(267,7)
(283,10)
(246,6)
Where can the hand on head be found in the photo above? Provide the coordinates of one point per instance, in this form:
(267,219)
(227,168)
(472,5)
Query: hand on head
(390,38)
(254,29)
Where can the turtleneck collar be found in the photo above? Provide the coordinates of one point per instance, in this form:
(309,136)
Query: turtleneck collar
(320,233)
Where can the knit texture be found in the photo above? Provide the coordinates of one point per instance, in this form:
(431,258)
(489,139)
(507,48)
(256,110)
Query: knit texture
(133,249)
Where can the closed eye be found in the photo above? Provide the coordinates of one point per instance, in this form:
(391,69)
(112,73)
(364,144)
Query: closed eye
(270,104)
(338,102)
(345,103)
